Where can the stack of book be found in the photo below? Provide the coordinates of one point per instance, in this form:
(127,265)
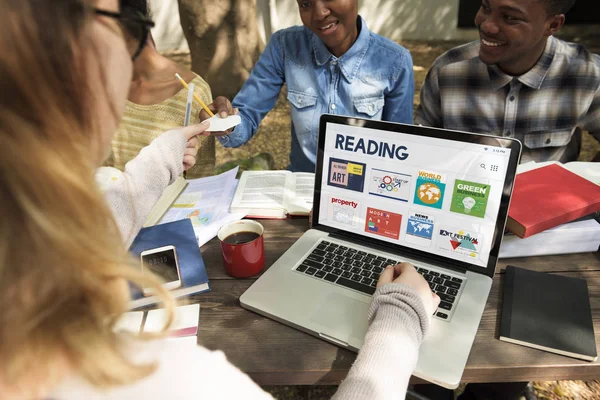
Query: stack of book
(555,209)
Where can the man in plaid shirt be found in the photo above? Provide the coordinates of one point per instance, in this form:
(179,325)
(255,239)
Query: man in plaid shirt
(518,81)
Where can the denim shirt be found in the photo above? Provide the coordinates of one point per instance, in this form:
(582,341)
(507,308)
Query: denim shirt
(373,79)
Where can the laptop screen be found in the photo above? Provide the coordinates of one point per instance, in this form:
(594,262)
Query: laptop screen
(411,186)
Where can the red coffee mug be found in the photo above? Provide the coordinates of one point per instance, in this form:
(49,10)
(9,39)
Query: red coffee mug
(243,249)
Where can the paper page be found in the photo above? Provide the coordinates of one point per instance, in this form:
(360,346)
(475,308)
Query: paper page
(185,322)
(204,200)
(130,322)
(300,200)
(261,189)
(586,169)
(207,232)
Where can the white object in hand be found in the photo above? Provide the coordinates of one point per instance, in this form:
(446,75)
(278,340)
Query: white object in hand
(218,124)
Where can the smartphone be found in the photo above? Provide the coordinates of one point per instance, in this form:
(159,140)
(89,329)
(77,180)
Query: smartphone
(162,261)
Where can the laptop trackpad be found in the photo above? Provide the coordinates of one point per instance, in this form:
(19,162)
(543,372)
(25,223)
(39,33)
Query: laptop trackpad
(342,317)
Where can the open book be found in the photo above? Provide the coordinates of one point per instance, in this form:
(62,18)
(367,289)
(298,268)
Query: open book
(274,194)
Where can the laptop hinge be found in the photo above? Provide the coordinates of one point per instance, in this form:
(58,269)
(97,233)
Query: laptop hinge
(332,339)
(400,253)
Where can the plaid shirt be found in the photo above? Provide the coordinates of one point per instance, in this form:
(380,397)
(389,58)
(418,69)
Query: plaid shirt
(546,108)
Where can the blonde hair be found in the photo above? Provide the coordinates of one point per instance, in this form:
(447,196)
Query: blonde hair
(63,266)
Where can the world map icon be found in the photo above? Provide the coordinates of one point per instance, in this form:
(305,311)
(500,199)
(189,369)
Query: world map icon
(429,193)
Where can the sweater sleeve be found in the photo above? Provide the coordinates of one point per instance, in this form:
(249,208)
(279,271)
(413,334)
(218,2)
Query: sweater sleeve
(182,372)
(398,322)
(144,179)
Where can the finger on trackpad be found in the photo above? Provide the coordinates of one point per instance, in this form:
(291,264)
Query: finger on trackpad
(342,317)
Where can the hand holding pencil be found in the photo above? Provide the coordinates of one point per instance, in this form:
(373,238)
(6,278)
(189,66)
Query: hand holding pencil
(221,105)
(191,132)
(185,85)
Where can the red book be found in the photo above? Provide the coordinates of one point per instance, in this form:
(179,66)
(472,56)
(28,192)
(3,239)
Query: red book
(550,196)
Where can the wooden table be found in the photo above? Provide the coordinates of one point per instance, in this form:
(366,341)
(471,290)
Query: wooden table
(275,354)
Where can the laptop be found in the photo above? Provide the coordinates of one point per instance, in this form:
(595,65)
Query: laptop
(387,193)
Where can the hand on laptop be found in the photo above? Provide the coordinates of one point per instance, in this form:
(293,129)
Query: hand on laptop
(407,274)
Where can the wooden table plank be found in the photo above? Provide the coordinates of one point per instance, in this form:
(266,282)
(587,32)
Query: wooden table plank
(281,234)
(492,360)
(275,354)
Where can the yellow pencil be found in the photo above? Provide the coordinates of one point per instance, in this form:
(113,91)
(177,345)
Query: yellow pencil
(185,85)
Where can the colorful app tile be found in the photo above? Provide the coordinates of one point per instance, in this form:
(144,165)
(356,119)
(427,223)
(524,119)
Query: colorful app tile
(470,198)
(343,210)
(383,223)
(346,174)
(460,241)
(393,185)
(419,228)
(430,189)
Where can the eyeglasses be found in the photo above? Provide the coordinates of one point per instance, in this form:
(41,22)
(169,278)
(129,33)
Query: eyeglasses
(136,26)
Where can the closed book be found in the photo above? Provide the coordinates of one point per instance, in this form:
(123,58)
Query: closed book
(547,197)
(166,200)
(579,236)
(181,235)
(548,312)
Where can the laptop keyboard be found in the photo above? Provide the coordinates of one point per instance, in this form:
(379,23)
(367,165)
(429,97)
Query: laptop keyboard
(360,271)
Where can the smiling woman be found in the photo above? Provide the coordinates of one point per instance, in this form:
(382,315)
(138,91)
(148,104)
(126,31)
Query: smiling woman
(332,64)
(333,22)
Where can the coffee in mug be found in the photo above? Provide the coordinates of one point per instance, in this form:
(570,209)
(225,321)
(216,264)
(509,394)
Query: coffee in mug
(242,246)
(241,237)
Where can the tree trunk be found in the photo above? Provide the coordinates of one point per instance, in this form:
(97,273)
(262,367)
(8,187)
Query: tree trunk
(223,39)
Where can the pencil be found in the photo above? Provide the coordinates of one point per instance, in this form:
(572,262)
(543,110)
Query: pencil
(188,106)
(185,85)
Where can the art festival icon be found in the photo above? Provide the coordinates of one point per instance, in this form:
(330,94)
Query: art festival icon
(460,241)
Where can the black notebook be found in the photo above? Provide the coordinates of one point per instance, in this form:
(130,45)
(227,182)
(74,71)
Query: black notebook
(548,312)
